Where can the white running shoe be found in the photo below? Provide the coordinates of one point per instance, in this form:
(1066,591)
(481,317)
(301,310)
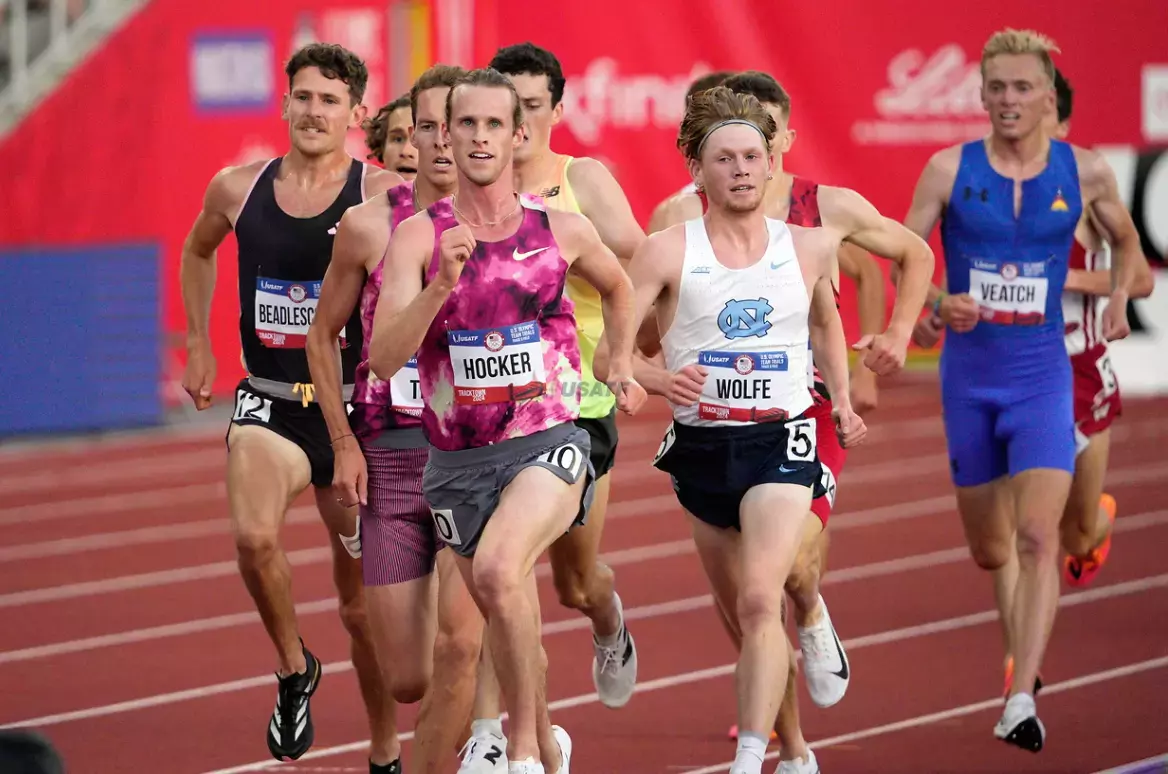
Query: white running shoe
(614,669)
(565,748)
(485,753)
(825,665)
(799,766)
(529,766)
(1020,725)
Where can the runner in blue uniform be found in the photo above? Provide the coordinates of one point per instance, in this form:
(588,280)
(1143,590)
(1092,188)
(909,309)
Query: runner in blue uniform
(1008,207)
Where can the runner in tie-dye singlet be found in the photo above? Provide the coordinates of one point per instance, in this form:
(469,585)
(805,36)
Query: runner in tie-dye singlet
(497,357)
(500,374)
(380,405)
(398,543)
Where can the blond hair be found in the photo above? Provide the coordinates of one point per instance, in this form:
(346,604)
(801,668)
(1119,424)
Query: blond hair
(1020,42)
(707,110)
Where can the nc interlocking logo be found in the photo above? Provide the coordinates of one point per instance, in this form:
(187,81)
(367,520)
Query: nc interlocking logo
(743,319)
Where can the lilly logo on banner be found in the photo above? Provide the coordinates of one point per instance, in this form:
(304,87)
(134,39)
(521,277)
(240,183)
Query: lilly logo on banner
(232,73)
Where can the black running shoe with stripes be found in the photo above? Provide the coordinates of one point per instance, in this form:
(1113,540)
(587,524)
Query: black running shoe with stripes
(290,731)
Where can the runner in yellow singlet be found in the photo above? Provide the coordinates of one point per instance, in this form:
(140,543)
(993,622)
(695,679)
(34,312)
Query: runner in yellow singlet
(582,185)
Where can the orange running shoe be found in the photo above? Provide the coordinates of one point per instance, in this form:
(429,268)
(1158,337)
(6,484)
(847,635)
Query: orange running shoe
(1010,679)
(734,733)
(1081,571)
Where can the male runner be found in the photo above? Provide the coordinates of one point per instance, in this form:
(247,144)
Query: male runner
(1090,513)
(387,136)
(385,453)
(284,213)
(1009,206)
(661,217)
(798,201)
(475,286)
(583,186)
(734,291)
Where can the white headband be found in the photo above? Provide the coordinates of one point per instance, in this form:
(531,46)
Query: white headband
(727,122)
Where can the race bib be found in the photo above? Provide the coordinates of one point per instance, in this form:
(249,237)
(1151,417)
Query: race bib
(743,386)
(284,311)
(497,365)
(1009,292)
(405,390)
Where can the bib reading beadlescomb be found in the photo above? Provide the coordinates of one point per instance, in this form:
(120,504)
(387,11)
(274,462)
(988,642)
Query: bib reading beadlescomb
(284,311)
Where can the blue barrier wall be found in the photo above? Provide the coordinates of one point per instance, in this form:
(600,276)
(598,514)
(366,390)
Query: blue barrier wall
(80,339)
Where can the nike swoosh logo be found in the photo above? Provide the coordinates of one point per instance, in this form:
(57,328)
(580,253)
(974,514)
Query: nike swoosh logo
(524,256)
(785,469)
(843,672)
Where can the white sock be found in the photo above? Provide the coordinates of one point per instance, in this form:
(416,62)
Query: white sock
(751,751)
(612,640)
(1021,704)
(528,765)
(486,726)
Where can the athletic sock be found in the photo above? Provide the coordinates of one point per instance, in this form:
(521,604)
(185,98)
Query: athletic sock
(612,640)
(487,726)
(751,751)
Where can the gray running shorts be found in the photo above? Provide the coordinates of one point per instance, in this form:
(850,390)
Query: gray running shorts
(463,487)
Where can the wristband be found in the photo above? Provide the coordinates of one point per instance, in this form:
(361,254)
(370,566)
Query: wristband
(340,437)
(937,305)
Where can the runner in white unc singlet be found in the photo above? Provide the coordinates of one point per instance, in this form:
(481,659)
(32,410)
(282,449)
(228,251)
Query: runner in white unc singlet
(748,327)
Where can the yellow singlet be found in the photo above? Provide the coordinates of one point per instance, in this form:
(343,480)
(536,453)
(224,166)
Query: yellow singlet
(596,400)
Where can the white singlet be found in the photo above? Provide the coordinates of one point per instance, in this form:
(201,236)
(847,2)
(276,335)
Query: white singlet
(748,328)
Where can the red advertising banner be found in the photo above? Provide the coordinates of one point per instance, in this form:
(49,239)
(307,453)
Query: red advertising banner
(876,87)
(123,150)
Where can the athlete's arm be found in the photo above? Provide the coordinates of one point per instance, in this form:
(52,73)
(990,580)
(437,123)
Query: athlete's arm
(828,343)
(929,200)
(197,276)
(865,272)
(603,202)
(1129,266)
(649,272)
(405,309)
(593,261)
(862,224)
(358,240)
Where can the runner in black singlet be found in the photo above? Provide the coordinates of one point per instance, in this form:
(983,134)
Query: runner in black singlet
(284,213)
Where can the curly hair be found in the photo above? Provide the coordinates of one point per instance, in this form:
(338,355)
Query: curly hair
(334,62)
(377,127)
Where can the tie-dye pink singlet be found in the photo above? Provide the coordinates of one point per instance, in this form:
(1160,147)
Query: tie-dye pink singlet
(501,359)
(394,403)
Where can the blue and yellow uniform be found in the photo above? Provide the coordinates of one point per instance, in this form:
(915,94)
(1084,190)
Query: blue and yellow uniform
(1006,385)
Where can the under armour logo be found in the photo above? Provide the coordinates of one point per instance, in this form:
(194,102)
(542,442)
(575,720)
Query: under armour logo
(742,319)
(984,195)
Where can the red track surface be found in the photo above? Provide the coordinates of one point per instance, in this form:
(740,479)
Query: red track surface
(117,539)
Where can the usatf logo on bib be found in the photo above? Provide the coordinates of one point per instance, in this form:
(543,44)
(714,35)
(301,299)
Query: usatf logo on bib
(743,319)
(284,311)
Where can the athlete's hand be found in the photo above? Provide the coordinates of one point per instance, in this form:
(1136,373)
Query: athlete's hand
(849,426)
(927,332)
(886,352)
(199,375)
(685,385)
(863,390)
(454,248)
(350,475)
(960,312)
(630,395)
(1115,324)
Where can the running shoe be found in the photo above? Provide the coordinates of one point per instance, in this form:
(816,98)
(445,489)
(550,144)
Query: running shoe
(1079,571)
(290,731)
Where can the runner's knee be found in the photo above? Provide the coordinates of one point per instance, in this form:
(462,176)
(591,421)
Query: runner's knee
(457,650)
(1038,541)
(496,578)
(257,542)
(758,605)
(355,616)
(991,552)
